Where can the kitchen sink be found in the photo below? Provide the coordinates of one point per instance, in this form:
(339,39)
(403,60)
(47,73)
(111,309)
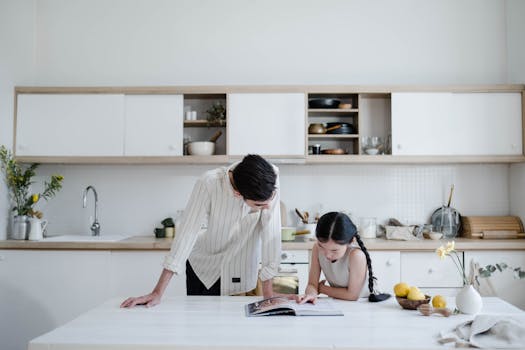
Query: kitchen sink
(84,238)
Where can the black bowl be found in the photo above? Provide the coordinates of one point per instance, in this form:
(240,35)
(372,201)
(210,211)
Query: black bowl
(344,129)
(323,103)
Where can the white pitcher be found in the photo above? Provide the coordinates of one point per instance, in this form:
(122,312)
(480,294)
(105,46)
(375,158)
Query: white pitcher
(36,229)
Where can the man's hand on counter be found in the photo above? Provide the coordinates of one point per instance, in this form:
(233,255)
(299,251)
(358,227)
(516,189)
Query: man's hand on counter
(148,300)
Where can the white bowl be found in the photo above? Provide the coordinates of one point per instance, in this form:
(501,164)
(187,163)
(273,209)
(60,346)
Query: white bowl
(433,235)
(201,148)
(372,151)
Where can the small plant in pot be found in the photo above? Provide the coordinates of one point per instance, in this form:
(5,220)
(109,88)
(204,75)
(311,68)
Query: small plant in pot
(19,178)
(216,114)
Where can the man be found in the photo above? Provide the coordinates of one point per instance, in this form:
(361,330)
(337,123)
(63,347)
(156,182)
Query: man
(240,207)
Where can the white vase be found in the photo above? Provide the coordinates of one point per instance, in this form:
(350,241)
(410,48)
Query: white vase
(468,300)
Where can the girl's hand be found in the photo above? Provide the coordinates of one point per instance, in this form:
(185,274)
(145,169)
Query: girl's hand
(307,298)
(320,286)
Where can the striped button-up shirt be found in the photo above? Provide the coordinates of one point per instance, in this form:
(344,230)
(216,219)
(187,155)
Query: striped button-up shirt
(235,241)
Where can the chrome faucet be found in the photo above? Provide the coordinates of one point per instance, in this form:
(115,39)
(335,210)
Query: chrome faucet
(95,227)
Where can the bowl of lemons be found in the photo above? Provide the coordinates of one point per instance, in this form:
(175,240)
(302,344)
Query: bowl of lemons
(410,297)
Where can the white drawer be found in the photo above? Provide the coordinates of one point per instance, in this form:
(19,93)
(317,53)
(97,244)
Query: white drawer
(428,270)
(386,268)
(295,256)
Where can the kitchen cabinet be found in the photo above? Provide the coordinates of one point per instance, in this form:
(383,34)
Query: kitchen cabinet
(457,123)
(269,124)
(69,125)
(387,269)
(202,129)
(428,272)
(343,117)
(153,125)
(503,283)
(145,124)
(43,289)
(136,273)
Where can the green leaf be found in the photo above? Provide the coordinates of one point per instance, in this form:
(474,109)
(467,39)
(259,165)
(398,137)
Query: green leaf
(499,268)
(491,268)
(484,273)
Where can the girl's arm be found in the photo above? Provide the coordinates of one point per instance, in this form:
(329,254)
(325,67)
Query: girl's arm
(356,279)
(311,292)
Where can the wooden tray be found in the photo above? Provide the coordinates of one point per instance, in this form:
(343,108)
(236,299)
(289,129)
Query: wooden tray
(492,227)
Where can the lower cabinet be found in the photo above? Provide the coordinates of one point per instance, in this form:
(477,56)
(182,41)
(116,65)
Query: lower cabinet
(54,286)
(431,274)
(43,289)
(134,273)
(386,266)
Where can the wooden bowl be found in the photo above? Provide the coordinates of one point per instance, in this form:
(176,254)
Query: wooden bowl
(333,151)
(412,304)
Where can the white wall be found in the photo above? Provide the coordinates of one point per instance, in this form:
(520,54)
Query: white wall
(16,68)
(516,74)
(139,42)
(144,42)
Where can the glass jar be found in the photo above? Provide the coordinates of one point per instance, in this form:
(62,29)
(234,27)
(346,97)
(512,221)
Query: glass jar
(368,227)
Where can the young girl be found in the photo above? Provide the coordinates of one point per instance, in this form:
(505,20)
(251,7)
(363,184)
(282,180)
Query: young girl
(344,266)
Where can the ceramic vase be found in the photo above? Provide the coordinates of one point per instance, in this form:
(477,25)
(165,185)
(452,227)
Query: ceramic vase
(468,300)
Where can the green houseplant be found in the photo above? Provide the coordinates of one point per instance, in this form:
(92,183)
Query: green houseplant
(19,179)
(216,114)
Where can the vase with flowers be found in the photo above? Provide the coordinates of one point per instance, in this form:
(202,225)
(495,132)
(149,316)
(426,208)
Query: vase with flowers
(468,300)
(19,178)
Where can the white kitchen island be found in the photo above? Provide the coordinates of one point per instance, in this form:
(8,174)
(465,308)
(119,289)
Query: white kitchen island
(201,322)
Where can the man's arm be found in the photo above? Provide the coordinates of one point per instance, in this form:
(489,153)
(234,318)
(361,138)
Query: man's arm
(196,210)
(154,297)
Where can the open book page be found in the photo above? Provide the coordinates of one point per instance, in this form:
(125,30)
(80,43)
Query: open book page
(284,306)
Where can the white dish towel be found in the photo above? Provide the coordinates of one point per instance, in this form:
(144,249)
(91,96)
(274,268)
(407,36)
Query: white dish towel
(488,331)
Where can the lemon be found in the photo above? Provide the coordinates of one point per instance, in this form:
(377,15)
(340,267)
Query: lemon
(415,294)
(439,301)
(401,289)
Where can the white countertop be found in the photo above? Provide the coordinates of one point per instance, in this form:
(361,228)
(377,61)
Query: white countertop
(201,322)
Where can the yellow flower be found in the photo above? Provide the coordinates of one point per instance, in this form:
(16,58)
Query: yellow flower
(441,252)
(450,247)
(35,198)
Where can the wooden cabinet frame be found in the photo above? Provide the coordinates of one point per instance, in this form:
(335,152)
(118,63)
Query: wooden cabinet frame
(308,159)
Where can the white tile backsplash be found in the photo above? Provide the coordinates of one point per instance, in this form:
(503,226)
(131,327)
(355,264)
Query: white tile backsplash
(134,198)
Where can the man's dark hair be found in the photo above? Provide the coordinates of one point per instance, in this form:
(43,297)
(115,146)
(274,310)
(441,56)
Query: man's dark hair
(254,178)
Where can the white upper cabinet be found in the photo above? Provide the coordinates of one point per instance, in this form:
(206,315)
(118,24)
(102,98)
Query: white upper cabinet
(153,125)
(448,124)
(269,124)
(70,125)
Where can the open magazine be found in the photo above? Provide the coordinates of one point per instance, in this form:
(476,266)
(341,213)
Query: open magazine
(284,306)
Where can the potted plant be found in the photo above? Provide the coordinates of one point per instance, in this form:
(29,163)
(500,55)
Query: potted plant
(19,179)
(216,114)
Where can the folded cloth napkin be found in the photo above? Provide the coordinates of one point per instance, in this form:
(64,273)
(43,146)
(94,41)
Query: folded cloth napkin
(400,233)
(489,331)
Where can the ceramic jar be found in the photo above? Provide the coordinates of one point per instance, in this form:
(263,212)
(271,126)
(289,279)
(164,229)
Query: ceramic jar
(468,300)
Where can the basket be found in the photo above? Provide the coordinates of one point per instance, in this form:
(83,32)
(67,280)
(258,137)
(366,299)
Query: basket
(412,304)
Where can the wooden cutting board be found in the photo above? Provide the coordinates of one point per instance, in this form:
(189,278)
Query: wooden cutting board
(492,227)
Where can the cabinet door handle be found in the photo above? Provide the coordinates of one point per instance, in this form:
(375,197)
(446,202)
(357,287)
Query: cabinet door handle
(430,271)
(388,262)
(284,256)
(172,147)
